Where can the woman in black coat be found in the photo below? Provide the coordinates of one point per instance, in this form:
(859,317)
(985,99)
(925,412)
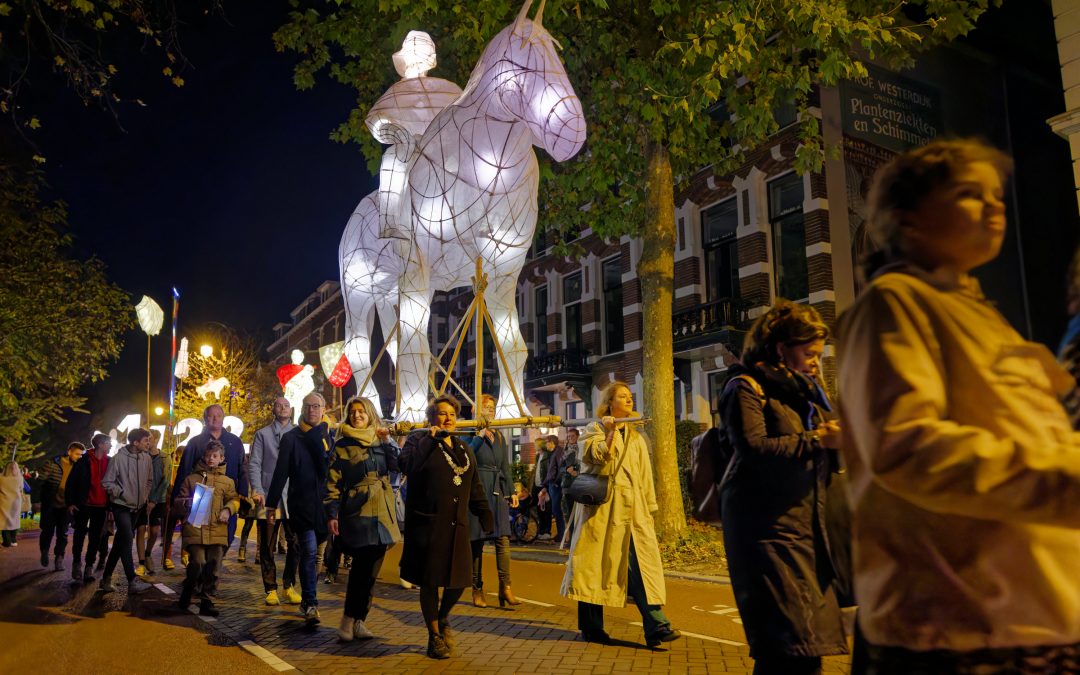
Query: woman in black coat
(493,465)
(774,494)
(444,486)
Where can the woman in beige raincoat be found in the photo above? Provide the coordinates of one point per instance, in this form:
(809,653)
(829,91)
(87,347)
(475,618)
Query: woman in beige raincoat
(614,552)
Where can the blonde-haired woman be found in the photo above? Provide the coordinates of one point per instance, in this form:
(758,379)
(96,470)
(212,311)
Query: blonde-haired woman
(360,506)
(614,552)
(775,494)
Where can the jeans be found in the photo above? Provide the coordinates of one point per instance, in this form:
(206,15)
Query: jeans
(121,547)
(266,556)
(591,617)
(367,561)
(202,570)
(54,520)
(308,543)
(502,561)
(555,493)
(89,522)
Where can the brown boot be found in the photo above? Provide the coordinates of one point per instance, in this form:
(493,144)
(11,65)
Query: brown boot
(478,597)
(506,596)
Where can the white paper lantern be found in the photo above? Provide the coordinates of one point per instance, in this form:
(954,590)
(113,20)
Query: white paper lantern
(464,188)
(151,317)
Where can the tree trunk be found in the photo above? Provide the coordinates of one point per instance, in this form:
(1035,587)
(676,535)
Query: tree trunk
(656,273)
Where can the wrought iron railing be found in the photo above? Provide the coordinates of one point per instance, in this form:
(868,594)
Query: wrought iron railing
(710,317)
(562,362)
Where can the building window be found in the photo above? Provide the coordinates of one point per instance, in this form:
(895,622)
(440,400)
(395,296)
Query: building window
(572,308)
(613,305)
(442,333)
(789,237)
(540,316)
(718,226)
(575,410)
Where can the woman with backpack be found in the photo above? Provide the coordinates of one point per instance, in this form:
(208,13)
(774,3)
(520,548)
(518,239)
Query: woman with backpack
(774,493)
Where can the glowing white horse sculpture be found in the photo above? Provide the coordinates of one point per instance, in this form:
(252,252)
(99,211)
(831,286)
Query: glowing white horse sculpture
(469,192)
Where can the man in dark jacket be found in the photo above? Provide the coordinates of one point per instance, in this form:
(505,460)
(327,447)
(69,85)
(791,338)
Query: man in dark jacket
(552,492)
(302,461)
(214,429)
(54,512)
(86,501)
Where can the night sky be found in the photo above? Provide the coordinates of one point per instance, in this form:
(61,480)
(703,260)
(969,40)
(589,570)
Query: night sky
(227,188)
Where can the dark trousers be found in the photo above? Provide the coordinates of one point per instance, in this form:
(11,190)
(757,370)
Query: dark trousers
(366,563)
(266,557)
(248,523)
(502,561)
(591,617)
(54,520)
(8,536)
(784,664)
(332,555)
(543,516)
(121,546)
(204,561)
(555,494)
(89,522)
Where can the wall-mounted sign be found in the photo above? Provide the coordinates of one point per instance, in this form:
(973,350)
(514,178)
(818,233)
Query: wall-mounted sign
(890,110)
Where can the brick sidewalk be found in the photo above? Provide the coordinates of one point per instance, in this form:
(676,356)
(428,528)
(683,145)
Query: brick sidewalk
(534,639)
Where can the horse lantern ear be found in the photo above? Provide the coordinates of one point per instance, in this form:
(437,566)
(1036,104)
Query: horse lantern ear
(522,15)
(539,18)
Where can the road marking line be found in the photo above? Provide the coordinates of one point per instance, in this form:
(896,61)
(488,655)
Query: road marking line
(699,636)
(729,610)
(265,655)
(531,602)
(165,589)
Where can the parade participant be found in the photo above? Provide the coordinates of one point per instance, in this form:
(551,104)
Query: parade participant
(87,502)
(127,481)
(444,486)
(148,524)
(214,429)
(964,468)
(774,494)
(493,464)
(261,463)
(206,544)
(302,463)
(54,511)
(552,492)
(568,468)
(539,475)
(12,487)
(360,507)
(171,520)
(614,552)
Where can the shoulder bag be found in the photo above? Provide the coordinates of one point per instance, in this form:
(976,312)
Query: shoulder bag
(593,489)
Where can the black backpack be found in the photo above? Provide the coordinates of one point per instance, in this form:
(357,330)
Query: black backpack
(710,457)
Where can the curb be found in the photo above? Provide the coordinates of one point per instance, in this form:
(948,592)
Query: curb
(559,558)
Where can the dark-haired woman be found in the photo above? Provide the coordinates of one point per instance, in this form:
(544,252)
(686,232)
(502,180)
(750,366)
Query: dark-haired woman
(444,486)
(360,507)
(774,494)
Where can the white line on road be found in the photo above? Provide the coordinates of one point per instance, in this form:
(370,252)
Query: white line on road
(165,589)
(531,602)
(729,610)
(265,655)
(699,636)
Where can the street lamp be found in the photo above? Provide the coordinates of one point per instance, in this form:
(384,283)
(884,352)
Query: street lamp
(159,410)
(207,351)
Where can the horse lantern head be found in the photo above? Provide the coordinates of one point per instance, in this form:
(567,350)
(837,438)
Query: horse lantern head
(535,89)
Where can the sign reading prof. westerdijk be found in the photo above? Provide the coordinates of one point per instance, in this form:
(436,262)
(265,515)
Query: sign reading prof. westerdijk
(889,110)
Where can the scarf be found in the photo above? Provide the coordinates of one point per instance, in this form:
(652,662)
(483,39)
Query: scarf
(305,428)
(365,436)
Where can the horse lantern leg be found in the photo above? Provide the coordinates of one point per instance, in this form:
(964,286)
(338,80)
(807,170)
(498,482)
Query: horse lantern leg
(502,305)
(359,260)
(414,306)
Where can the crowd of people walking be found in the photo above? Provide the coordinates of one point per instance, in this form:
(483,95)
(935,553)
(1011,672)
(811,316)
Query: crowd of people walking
(937,495)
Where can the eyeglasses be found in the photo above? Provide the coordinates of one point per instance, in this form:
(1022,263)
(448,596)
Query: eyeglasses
(312,406)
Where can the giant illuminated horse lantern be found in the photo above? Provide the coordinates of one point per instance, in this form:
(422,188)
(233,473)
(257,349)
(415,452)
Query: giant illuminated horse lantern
(463,189)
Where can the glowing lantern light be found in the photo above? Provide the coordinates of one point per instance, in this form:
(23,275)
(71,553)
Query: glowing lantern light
(182,369)
(207,351)
(297,381)
(334,363)
(151,316)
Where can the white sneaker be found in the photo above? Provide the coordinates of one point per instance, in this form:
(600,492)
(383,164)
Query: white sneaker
(543,537)
(137,586)
(361,631)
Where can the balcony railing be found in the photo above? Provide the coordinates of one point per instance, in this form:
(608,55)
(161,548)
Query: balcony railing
(701,321)
(489,381)
(562,362)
